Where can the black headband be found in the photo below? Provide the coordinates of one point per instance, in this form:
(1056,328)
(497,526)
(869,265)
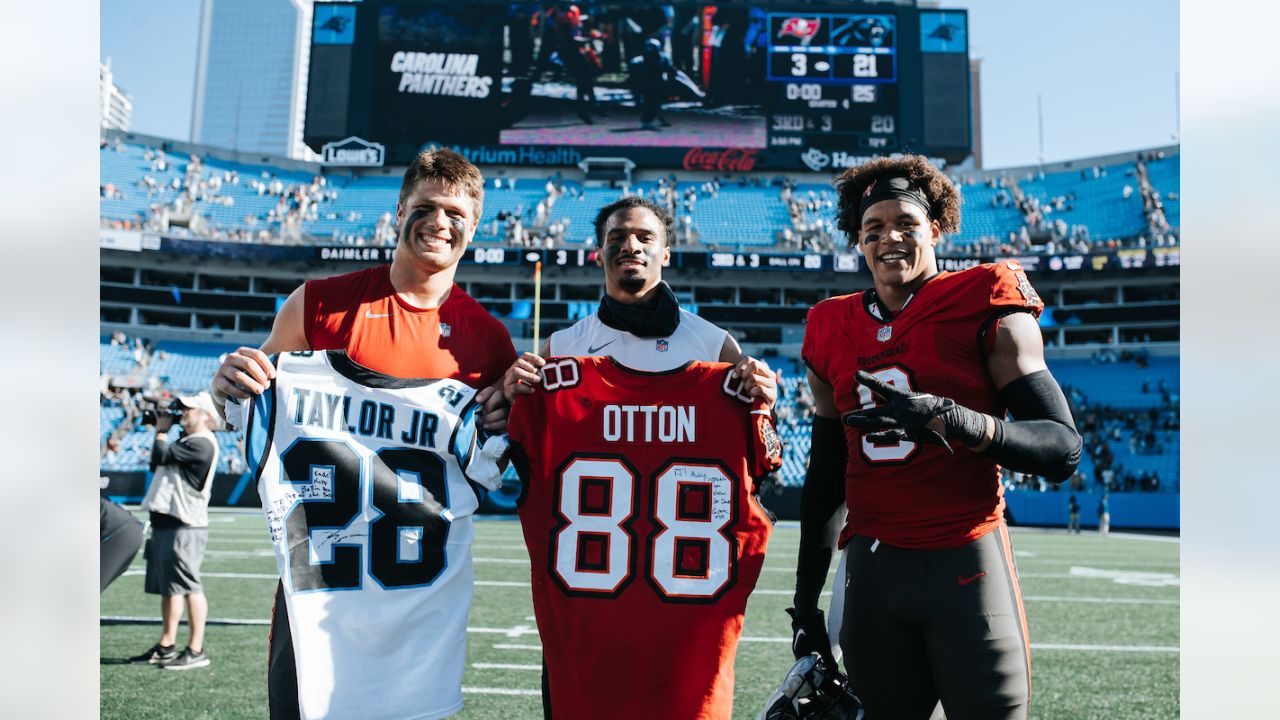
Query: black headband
(897,188)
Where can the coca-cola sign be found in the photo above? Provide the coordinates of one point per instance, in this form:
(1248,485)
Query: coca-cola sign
(726,160)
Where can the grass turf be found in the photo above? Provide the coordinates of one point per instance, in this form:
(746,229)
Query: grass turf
(1103,614)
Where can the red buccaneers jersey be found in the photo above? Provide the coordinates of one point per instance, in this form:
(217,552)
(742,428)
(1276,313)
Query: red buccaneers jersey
(911,494)
(644,533)
(361,313)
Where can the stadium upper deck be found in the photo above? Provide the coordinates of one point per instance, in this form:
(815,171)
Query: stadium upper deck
(1127,200)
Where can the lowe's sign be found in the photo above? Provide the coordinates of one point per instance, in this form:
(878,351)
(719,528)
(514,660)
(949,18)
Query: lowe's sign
(353,152)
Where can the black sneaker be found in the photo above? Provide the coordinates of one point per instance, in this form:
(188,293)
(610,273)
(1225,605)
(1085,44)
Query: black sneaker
(156,655)
(187,661)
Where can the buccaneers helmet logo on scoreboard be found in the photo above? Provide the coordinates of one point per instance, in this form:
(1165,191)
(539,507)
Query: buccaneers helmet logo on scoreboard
(802,29)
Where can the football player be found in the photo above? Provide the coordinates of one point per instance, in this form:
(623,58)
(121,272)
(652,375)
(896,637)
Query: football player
(407,320)
(912,380)
(639,322)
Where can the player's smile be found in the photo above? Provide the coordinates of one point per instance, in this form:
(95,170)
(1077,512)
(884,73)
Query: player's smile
(432,240)
(894,256)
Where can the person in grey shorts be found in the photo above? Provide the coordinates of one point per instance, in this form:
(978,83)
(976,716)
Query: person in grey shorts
(121,536)
(178,500)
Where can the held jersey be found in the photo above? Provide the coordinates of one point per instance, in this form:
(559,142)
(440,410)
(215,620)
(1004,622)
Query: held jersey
(361,313)
(695,340)
(362,483)
(913,494)
(644,533)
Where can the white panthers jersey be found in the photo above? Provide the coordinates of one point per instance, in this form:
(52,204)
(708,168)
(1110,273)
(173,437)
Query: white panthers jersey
(362,483)
(695,339)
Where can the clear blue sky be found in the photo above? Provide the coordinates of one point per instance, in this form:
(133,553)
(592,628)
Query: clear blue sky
(1105,70)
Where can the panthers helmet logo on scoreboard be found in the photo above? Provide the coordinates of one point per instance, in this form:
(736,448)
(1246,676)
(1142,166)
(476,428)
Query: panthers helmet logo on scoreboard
(800,28)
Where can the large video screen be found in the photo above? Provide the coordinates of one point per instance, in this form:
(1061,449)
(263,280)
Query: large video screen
(715,87)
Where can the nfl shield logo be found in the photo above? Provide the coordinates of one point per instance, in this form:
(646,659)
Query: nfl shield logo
(884,333)
(662,345)
(445,330)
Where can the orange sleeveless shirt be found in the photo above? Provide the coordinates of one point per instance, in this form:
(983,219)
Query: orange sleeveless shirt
(361,313)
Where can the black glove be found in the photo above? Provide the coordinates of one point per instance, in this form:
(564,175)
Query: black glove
(905,414)
(809,635)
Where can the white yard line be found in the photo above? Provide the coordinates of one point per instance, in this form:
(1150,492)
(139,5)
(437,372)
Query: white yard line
(240,553)
(505,666)
(136,620)
(524,630)
(1099,600)
(1107,648)
(757,591)
(242,576)
(499,691)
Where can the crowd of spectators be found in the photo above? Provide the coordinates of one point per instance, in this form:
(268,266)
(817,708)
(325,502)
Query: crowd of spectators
(1103,427)
(536,226)
(172,203)
(1043,234)
(795,406)
(173,207)
(812,219)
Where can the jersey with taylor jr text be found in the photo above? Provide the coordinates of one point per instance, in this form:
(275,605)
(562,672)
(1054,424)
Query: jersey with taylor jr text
(904,493)
(644,532)
(362,482)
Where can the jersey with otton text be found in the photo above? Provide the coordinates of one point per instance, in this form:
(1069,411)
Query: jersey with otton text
(644,532)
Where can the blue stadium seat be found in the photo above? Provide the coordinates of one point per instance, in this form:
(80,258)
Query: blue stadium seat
(186,367)
(981,220)
(114,359)
(109,417)
(1099,202)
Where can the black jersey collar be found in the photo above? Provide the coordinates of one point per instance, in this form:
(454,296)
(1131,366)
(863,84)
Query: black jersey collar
(357,373)
(878,311)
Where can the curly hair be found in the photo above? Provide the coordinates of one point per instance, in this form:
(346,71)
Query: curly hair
(944,197)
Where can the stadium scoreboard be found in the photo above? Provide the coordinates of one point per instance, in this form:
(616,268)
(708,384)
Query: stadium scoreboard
(816,86)
(833,81)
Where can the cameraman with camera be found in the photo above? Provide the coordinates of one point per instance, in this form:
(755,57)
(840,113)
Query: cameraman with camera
(178,500)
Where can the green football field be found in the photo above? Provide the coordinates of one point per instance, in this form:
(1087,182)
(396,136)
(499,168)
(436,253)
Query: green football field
(1103,614)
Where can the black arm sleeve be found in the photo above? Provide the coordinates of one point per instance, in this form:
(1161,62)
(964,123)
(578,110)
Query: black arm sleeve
(1042,438)
(822,510)
(192,457)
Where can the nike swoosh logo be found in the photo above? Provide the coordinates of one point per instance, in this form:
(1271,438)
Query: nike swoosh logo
(594,350)
(374,316)
(962,581)
(796,643)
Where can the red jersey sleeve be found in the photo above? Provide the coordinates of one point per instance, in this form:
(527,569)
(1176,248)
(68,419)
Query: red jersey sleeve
(817,325)
(1010,288)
